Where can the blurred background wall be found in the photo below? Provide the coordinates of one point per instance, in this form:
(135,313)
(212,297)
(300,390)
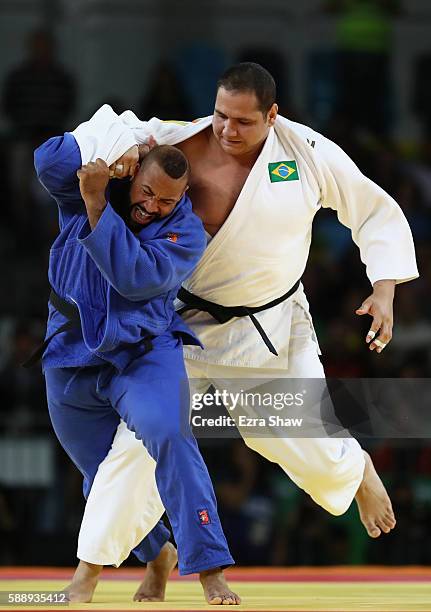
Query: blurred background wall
(357,70)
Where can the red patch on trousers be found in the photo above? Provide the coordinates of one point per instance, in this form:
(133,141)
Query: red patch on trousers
(204,517)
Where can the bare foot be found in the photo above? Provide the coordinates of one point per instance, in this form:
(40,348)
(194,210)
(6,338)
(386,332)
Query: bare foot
(84,582)
(375,508)
(216,589)
(153,586)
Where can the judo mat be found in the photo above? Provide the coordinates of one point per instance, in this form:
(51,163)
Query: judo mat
(335,589)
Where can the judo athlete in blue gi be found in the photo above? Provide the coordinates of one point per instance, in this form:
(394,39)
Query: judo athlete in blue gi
(114,342)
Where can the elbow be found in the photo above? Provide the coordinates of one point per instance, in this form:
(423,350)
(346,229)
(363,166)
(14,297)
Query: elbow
(138,292)
(43,156)
(40,160)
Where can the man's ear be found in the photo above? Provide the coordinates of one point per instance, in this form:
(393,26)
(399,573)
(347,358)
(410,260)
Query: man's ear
(272,114)
(135,171)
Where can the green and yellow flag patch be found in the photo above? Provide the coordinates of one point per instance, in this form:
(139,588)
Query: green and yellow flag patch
(283,171)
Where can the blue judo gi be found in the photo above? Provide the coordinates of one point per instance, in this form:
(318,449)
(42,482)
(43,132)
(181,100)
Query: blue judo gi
(124,286)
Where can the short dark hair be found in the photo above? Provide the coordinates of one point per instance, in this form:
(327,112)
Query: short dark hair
(249,76)
(170,159)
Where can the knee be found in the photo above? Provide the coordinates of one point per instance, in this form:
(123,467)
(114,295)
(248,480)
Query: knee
(333,485)
(165,438)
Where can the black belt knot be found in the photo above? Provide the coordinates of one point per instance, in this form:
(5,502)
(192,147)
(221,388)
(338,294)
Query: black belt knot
(223,314)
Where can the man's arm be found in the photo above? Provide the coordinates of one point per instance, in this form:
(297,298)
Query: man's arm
(164,132)
(137,270)
(378,227)
(58,159)
(56,162)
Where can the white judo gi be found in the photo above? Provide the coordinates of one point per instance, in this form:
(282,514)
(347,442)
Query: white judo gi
(257,255)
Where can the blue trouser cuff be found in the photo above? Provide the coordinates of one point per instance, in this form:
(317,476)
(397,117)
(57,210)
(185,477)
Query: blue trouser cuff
(150,547)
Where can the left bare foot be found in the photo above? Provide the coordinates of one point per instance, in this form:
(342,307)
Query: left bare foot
(375,508)
(216,589)
(153,586)
(84,583)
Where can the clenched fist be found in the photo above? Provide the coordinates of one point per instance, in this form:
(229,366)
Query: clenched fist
(93,180)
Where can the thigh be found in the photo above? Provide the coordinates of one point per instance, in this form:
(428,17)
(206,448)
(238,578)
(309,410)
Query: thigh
(152,394)
(84,423)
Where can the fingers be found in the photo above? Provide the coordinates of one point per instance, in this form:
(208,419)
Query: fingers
(364,308)
(380,332)
(126,164)
(385,336)
(145,148)
(93,176)
(384,326)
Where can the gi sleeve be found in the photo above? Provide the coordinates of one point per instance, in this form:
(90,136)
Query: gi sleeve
(56,162)
(164,132)
(142,270)
(58,159)
(378,225)
(105,135)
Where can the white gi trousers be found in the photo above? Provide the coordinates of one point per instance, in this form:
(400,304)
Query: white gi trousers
(124,504)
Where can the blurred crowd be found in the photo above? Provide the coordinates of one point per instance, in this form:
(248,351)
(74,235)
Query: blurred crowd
(266,518)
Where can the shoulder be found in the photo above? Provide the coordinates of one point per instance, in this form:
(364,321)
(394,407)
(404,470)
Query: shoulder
(194,145)
(299,131)
(58,149)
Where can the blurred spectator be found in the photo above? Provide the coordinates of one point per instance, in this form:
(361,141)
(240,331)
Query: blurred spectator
(165,96)
(246,505)
(22,392)
(273,60)
(38,97)
(364,41)
(199,65)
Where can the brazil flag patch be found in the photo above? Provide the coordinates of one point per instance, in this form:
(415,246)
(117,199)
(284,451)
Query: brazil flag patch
(283,171)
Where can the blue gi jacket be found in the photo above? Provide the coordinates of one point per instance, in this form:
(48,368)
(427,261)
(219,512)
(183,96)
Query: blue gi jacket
(123,284)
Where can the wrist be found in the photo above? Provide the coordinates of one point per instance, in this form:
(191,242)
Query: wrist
(385,285)
(96,202)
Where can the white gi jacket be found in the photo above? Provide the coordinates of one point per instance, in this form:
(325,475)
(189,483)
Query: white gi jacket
(262,248)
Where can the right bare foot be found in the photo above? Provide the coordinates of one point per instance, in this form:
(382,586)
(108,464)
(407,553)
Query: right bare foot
(153,586)
(375,508)
(84,582)
(216,589)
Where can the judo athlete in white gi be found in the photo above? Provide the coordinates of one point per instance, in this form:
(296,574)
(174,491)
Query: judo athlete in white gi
(114,346)
(258,181)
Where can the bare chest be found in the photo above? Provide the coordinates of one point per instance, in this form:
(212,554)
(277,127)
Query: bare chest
(214,192)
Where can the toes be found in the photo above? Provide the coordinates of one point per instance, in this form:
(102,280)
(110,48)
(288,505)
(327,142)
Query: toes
(388,522)
(224,600)
(373,530)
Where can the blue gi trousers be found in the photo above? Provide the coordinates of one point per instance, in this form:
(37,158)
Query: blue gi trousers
(151,395)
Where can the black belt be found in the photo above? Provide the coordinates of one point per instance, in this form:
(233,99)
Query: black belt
(222,314)
(71,312)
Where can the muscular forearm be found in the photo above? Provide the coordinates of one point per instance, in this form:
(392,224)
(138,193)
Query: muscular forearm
(95,207)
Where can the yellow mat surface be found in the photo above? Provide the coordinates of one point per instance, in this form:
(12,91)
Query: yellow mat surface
(256,596)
